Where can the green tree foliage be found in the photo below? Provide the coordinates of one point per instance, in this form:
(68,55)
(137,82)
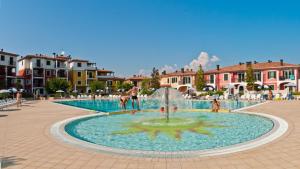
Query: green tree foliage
(146,87)
(56,84)
(127,86)
(250,78)
(97,85)
(200,81)
(155,79)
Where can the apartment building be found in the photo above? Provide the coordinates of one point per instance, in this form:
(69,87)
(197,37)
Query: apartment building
(181,80)
(137,80)
(7,69)
(36,70)
(109,78)
(275,75)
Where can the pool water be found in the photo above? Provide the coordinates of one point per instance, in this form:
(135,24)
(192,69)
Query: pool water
(186,131)
(114,105)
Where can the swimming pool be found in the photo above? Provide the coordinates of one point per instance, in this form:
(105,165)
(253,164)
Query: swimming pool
(110,105)
(186,131)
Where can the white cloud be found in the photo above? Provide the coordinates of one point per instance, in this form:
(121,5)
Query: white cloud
(204,59)
(169,68)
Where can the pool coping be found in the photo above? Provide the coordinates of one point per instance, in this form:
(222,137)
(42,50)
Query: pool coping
(279,128)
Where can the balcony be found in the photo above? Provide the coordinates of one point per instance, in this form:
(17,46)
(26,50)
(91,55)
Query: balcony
(284,78)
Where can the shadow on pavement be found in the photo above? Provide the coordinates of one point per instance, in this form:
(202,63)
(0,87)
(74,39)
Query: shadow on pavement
(10,161)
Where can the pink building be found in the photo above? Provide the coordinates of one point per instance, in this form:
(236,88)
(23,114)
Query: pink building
(273,74)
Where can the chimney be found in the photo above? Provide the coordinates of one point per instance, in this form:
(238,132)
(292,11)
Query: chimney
(191,70)
(269,61)
(248,63)
(182,70)
(134,75)
(241,63)
(281,62)
(218,67)
(164,72)
(255,62)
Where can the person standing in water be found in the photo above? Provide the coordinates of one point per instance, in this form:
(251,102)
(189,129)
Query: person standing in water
(134,92)
(215,106)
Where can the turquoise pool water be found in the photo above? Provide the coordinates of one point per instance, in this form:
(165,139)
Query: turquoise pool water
(215,130)
(114,105)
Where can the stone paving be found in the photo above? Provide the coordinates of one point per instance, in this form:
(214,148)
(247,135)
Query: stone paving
(26,142)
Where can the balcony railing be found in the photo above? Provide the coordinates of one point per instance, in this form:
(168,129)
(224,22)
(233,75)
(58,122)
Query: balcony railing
(291,77)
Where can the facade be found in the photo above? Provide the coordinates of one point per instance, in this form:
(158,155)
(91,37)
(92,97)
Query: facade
(273,74)
(137,80)
(180,80)
(36,70)
(81,74)
(7,69)
(109,78)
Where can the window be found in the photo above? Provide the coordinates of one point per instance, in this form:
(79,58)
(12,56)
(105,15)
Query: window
(288,74)
(90,74)
(79,74)
(2,58)
(257,76)
(11,61)
(78,64)
(48,73)
(22,62)
(109,83)
(272,75)
(38,63)
(58,64)
(79,82)
(225,77)
(211,79)
(168,80)
(48,62)
(27,71)
(186,80)
(174,80)
(241,77)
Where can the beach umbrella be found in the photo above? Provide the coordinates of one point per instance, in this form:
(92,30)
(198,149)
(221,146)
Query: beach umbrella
(290,85)
(4,91)
(59,91)
(229,86)
(13,90)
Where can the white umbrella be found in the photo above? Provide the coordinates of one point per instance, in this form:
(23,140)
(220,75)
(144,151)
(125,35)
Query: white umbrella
(59,91)
(265,86)
(229,86)
(13,90)
(290,85)
(4,91)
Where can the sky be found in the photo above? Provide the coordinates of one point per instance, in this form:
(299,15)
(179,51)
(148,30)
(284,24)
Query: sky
(133,36)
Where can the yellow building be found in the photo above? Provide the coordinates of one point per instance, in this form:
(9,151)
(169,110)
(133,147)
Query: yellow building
(82,73)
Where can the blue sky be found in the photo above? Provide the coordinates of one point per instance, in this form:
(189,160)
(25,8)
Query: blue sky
(130,35)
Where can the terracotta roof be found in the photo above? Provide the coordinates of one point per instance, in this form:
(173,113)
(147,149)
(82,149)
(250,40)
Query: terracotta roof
(61,58)
(7,53)
(255,66)
(137,78)
(179,73)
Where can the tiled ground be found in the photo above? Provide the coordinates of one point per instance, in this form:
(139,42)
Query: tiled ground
(25,142)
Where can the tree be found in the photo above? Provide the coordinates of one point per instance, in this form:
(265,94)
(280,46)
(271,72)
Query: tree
(56,84)
(97,85)
(250,78)
(200,81)
(127,86)
(155,79)
(146,87)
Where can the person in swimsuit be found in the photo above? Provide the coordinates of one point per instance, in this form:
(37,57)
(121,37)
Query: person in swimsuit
(134,93)
(123,101)
(215,106)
